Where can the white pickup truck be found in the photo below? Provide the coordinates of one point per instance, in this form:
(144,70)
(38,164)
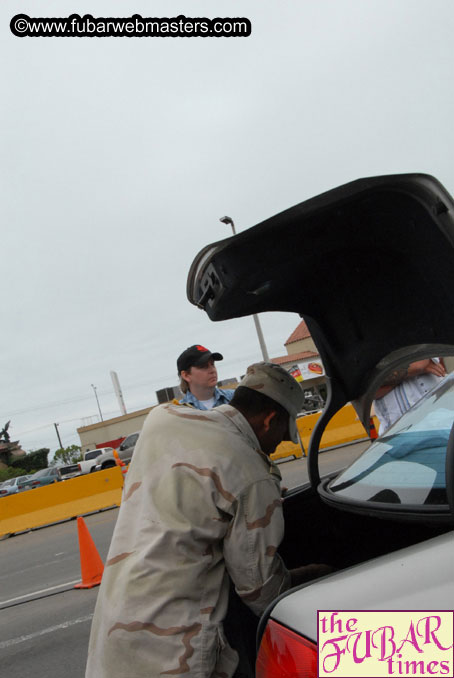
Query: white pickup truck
(90,457)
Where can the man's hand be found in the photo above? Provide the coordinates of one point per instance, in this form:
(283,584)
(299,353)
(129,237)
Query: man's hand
(300,575)
(428,366)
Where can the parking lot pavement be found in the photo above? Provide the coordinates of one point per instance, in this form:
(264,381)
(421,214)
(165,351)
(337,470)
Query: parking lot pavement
(47,637)
(294,472)
(41,560)
(45,623)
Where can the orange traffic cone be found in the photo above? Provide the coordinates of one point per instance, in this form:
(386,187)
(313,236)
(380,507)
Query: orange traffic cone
(119,462)
(373,435)
(91,564)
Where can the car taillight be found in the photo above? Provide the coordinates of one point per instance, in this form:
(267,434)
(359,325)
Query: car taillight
(3,491)
(285,654)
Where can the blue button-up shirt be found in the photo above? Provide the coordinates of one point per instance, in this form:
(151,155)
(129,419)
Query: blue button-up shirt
(221,397)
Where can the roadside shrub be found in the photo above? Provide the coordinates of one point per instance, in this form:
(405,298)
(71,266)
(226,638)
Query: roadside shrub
(10,472)
(34,461)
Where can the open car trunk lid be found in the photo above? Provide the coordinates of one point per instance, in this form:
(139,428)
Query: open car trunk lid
(356,261)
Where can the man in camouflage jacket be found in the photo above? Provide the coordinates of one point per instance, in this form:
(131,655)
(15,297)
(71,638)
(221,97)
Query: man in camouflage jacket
(201,506)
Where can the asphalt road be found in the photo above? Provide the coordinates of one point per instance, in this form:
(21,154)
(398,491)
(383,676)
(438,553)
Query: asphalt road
(45,622)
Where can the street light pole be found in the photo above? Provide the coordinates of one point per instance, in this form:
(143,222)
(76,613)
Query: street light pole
(258,327)
(96,396)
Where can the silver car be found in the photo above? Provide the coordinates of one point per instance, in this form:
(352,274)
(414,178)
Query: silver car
(12,486)
(125,452)
(370,268)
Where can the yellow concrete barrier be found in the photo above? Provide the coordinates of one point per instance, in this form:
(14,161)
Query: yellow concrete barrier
(286,450)
(60,501)
(94,491)
(344,427)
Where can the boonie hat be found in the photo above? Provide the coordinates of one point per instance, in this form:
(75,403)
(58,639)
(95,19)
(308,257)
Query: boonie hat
(280,386)
(196,355)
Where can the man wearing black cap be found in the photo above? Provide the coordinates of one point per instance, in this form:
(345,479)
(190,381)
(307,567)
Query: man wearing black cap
(198,379)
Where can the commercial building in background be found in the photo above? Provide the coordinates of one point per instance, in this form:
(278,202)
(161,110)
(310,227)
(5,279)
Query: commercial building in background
(304,363)
(112,432)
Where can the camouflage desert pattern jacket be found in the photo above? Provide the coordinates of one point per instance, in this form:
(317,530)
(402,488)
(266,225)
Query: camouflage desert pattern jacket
(201,503)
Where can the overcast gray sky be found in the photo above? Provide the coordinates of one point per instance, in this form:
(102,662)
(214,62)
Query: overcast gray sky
(119,155)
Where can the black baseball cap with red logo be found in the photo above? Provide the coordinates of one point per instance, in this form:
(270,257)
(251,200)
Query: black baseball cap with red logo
(197,356)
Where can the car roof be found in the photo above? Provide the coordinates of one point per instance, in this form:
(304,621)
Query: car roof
(368,265)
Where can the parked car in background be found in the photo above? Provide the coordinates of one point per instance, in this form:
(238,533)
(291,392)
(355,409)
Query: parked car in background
(69,471)
(125,452)
(45,476)
(12,486)
(90,459)
(381,253)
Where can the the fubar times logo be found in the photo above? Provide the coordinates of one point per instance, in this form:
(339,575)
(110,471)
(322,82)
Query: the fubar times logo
(372,644)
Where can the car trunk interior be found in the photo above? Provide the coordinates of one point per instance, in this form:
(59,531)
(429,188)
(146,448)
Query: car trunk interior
(318,533)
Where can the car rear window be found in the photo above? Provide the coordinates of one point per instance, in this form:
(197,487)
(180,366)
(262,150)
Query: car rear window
(43,472)
(93,454)
(407,465)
